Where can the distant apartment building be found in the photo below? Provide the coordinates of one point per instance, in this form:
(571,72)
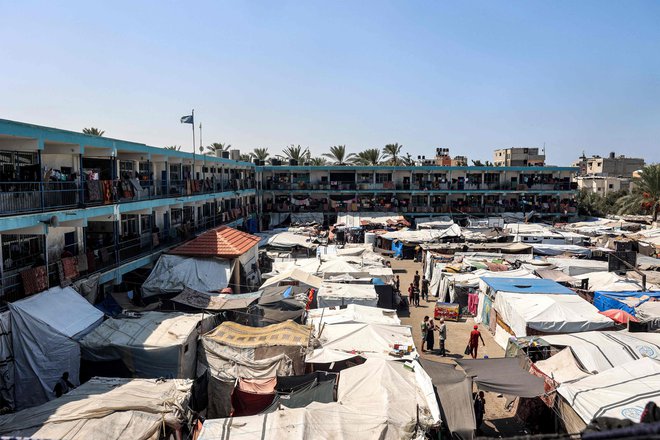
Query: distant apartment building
(612,165)
(518,157)
(603,185)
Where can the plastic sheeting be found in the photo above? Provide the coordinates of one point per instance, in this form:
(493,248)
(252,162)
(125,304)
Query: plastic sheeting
(620,392)
(562,367)
(340,294)
(173,273)
(45,331)
(626,301)
(548,313)
(424,235)
(344,341)
(600,351)
(6,360)
(558,249)
(352,313)
(611,282)
(151,346)
(104,408)
(503,375)
(295,275)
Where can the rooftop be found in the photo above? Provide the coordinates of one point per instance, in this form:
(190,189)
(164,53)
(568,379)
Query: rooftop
(223,242)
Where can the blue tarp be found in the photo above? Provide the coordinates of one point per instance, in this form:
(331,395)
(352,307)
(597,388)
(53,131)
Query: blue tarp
(397,247)
(626,301)
(527,285)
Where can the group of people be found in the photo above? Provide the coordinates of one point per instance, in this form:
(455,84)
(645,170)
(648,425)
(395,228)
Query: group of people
(428,335)
(414,289)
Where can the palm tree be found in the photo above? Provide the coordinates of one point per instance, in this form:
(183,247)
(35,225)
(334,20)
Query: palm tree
(477,163)
(408,160)
(296,152)
(260,154)
(369,157)
(93,131)
(174,147)
(245,157)
(645,195)
(392,152)
(216,147)
(338,155)
(318,161)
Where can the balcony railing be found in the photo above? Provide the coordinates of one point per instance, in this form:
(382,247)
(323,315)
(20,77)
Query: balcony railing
(416,186)
(26,197)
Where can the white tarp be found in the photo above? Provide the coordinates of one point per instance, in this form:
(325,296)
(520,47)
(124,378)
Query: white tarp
(548,313)
(611,282)
(352,313)
(558,249)
(173,273)
(355,219)
(45,331)
(338,265)
(103,408)
(600,351)
(296,275)
(450,280)
(648,310)
(620,392)
(562,367)
(577,266)
(345,341)
(154,345)
(290,240)
(434,222)
(377,399)
(340,294)
(424,235)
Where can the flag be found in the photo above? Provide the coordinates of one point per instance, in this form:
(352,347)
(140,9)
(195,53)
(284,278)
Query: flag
(187,119)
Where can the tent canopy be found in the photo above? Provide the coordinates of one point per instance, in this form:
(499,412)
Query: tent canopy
(296,275)
(352,313)
(532,285)
(173,273)
(626,301)
(338,294)
(216,301)
(502,375)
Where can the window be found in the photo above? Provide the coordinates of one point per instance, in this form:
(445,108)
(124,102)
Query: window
(177,216)
(21,250)
(383,177)
(145,222)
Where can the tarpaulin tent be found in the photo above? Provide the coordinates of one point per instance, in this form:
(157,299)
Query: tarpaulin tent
(620,392)
(502,375)
(611,282)
(619,316)
(215,301)
(600,351)
(173,273)
(340,294)
(562,367)
(626,301)
(46,329)
(352,313)
(278,304)
(152,345)
(344,341)
(105,408)
(293,277)
(454,390)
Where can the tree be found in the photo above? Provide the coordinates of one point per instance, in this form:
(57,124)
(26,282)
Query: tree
(296,152)
(645,195)
(260,154)
(338,155)
(369,157)
(408,160)
(93,131)
(392,152)
(245,157)
(477,163)
(216,147)
(174,147)
(318,161)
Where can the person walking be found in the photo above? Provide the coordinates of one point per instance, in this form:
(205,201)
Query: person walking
(416,279)
(411,295)
(430,335)
(475,335)
(442,336)
(416,295)
(425,327)
(425,288)
(397,284)
(479,409)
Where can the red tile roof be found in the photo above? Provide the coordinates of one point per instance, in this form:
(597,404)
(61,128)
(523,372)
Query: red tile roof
(223,242)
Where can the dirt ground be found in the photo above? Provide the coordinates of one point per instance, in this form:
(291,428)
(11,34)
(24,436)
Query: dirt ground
(498,421)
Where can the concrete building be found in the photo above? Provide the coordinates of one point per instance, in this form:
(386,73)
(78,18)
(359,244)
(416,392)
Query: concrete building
(518,157)
(603,185)
(613,165)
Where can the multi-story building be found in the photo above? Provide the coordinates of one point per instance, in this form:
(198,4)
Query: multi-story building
(603,185)
(518,157)
(114,204)
(612,165)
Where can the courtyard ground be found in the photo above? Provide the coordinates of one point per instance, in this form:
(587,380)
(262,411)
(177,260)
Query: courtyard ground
(498,421)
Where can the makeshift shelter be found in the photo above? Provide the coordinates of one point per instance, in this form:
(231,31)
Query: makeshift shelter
(352,313)
(345,341)
(502,375)
(562,367)
(173,273)
(234,351)
(294,277)
(215,301)
(611,282)
(340,294)
(112,409)
(600,351)
(648,310)
(230,244)
(620,392)
(423,235)
(46,328)
(152,345)
(626,301)
(278,304)
(619,316)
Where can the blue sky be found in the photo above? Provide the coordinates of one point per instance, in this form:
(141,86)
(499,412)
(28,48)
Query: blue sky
(468,75)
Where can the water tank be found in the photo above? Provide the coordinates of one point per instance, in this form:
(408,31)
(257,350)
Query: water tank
(225,154)
(293,162)
(370,238)
(235,154)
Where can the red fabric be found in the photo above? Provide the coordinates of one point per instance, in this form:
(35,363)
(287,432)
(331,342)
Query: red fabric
(473,303)
(249,404)
(258,386)
(620,316)
(474,338)
(70,266)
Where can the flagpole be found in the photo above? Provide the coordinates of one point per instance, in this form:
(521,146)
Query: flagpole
(192,177)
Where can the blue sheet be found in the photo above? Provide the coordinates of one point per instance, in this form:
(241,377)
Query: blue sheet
(527,285)
(615,300)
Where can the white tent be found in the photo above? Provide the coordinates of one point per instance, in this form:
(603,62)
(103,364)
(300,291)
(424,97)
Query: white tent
(154,345)
(471,279)
(547,313)
(345,341)
(340,294)
(45,331)
(600,351)
(338,265)
(294,275)
(173,273)
(105,408)
(424,235)
(377,399)
(611,282)
(648,310)
(620,392)
(562,367)
(352,313)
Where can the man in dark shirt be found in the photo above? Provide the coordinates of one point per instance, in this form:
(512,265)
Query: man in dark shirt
(416,280)
(425,288)
(479,409)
